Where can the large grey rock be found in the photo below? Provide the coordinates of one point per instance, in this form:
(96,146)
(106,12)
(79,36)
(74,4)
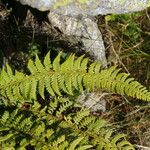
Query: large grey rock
(88,7)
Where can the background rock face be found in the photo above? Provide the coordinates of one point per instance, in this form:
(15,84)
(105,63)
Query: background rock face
(82,29)
(88,7)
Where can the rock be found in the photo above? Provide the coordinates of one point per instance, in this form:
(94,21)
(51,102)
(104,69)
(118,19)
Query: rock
(88,7)
(83,29)
(72,18)
(94,101)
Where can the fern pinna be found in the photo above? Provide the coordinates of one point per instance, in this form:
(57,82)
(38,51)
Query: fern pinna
(49,128)
(73,74)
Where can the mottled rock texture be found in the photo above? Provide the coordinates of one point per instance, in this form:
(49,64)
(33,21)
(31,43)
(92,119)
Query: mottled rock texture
(88,7)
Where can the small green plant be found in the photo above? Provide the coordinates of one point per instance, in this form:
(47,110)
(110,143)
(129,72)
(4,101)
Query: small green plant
(127,26)
(129,38)
(67,2)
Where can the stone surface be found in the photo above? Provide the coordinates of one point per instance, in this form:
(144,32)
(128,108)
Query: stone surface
(88,7)
(82,29)
(93,101)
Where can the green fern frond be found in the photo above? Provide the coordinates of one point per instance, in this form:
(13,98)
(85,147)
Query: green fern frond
(30,130)
(37,127)
(73,74)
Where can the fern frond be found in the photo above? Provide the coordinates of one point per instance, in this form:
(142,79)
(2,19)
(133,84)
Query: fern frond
(80,115)
(73,74)
(24,130)
(37,127)
(90,126)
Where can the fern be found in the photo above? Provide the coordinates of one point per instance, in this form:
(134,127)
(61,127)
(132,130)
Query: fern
(60,124)
(21,129)
(73,74)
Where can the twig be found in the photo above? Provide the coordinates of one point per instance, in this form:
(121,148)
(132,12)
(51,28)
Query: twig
(147,15)
(142,147)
